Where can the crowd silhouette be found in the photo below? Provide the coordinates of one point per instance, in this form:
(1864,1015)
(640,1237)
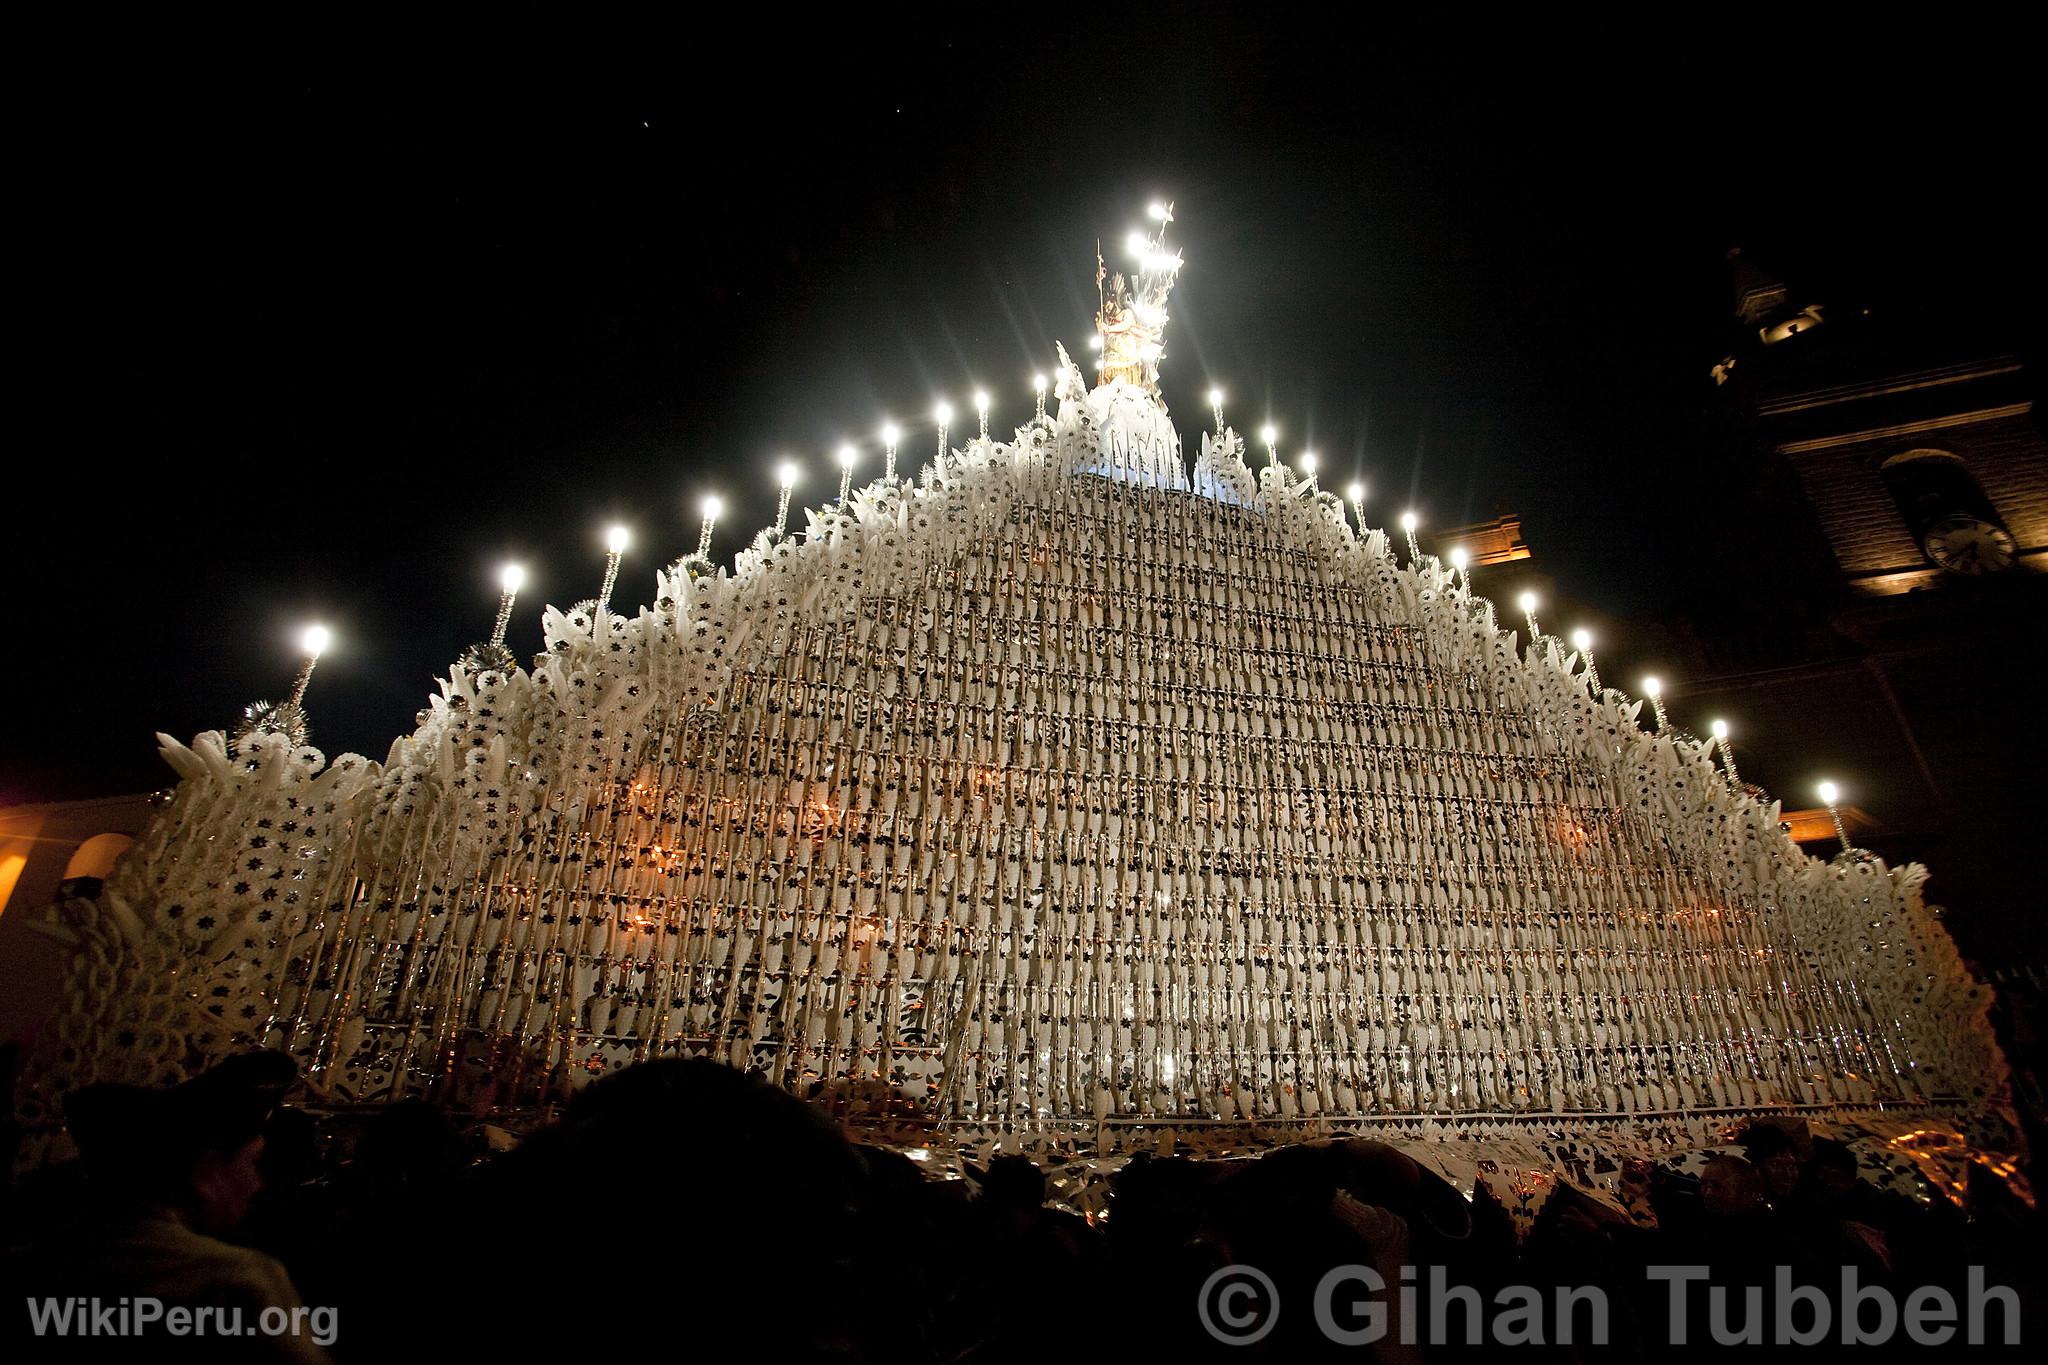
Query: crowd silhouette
(690,1206)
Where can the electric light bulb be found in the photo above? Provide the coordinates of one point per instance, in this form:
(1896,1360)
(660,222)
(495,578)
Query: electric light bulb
(1527,602)
(315,640)
(1719,729)
(943,414)
(714,507)
(1308,462)
(616,540)
(889,433)
(511,578)
(1582,640)
(1269,433)
(1829,793)
(1409,521)
(1157,211)
(1652,688)
(847,455)
(785,474)
(1135,243)
(980,402)
(1215,398)
(1038,383)
(1459,558)
(1356,492)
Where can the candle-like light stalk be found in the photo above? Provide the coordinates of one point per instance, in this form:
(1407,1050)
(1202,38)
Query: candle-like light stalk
(1654,690)
(889,435)
(314,642)
(1409,521)
(943,415)
(1727,752)
(1270,434)
(1356,492)
(785,478)
(1527,602)
(1460,561)
(1038,396)
(1830,796)
(1216,403)
(615,546)
(712,507)
(847,455)
(510,579)
(1582,641)
(981,411)
(1308,466)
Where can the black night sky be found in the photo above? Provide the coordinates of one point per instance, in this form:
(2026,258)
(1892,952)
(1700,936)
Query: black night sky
(332,322)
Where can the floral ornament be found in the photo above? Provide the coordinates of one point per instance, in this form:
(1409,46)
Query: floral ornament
(264,721)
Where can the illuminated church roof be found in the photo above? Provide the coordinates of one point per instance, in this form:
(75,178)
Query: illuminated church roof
(1065,783)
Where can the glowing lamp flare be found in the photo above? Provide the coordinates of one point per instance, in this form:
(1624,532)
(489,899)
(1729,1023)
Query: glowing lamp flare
(785,479)
(1719,730)
(1270,434)
(847,455)
(943,415)
(1653,688)
(712,507)
(1831,796)
(615,545)
(511,579)
(981,411)
(1409,521)
(1308,465)
(1216,403)
(1582,641)
(1038,395)
(1356,493)
(1527,602)
(313,641)
(890,435)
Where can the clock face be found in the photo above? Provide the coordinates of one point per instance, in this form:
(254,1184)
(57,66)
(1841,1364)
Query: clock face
(1965,544)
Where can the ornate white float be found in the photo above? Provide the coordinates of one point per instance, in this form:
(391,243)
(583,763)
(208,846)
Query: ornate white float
(1056,787)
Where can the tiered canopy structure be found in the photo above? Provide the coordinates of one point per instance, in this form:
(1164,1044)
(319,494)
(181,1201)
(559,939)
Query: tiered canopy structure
(1063,784)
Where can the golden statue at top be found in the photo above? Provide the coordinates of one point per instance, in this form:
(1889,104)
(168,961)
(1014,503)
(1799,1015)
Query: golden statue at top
(1130,323)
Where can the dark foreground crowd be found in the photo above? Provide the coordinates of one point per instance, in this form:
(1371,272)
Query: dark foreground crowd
(687,1208)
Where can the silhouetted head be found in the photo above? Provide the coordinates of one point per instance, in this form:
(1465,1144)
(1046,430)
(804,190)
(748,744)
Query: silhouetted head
(1771,1152)
(196,1146)
(1730,1187)
(1834,1169)
(1013,1182)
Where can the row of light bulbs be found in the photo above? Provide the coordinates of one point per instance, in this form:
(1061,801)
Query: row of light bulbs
(316,639)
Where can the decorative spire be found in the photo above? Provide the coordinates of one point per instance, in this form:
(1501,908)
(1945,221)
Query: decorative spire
(1132,321)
